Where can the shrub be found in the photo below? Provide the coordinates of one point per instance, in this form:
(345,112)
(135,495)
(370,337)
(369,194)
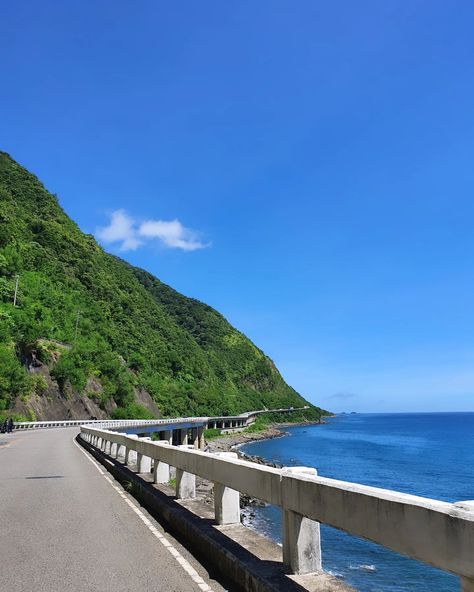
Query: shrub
(212,433)
(132,411)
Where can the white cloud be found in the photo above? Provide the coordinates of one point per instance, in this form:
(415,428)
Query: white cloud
(121,229)
(173,234)
(131,234)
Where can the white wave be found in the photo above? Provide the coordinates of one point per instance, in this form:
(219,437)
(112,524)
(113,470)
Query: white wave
(336,574)
(363,567)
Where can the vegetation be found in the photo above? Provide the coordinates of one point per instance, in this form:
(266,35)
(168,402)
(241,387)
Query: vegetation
(298,416)
(212,433)
(94,319)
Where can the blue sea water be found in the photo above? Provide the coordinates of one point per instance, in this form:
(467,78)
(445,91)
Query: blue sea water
(427,454)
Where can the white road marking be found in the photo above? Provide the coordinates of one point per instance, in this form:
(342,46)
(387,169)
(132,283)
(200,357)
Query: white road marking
(188,568)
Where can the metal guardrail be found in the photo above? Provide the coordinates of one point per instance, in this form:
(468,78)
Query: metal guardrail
(435,532)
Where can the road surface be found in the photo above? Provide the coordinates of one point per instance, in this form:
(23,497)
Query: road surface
(66,526)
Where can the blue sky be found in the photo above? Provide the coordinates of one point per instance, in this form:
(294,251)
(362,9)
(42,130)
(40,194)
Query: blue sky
(304,167)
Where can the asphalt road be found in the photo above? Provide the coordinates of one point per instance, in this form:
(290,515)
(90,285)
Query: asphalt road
(63,526)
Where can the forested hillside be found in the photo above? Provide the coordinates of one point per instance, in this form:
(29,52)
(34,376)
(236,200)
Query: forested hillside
(86,324)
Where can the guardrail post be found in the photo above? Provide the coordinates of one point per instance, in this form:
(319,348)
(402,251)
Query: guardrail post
(161,470)
(185,483)
(226,500)
(467,585)
(130,455)
(120,450)
(143,462)
(301,536)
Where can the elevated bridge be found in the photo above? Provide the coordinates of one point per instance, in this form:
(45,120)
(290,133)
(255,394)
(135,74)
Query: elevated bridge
(219,421)
(179,430)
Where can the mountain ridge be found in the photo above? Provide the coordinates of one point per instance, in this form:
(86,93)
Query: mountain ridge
(131,345)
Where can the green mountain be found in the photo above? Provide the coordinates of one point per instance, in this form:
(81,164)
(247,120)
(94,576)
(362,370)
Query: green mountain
(92,334)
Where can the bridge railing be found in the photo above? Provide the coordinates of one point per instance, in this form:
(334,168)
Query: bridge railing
(241,420)
(435,532)
(103,423)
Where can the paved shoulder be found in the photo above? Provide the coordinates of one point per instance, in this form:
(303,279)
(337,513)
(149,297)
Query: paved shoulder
(64,527)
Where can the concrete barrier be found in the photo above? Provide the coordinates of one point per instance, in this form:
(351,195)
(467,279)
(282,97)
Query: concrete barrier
(108,423)
(435,532)
(230,423)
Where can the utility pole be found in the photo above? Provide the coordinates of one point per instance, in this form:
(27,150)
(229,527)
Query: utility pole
(16,289)
(77,326)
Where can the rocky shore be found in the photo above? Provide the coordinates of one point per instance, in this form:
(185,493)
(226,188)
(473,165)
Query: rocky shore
(231,442)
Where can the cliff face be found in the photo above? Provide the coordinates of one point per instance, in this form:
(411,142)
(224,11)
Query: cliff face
(53,403)
(91,335)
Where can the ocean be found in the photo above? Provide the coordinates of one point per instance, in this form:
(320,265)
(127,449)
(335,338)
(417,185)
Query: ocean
(427,454)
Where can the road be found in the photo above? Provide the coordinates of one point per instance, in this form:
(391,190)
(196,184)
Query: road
(66,526)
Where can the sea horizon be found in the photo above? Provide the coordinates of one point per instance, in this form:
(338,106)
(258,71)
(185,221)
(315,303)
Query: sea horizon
(336,413)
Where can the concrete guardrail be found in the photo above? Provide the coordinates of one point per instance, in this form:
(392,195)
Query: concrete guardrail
(438,533)
(104,423)
(221,422)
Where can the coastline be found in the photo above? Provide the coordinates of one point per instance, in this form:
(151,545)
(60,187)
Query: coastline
(232,442)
